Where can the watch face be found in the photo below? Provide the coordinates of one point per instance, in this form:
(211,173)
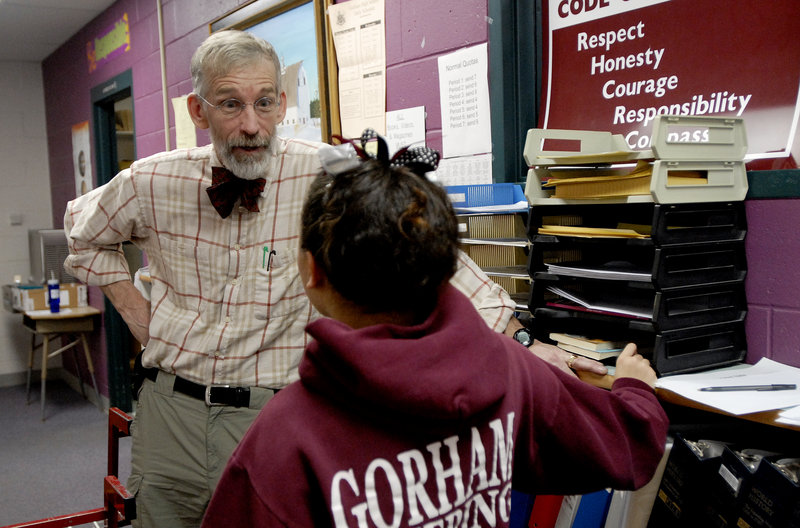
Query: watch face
(523,336)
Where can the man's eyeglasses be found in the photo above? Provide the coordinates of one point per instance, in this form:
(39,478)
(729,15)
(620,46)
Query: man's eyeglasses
(233,107)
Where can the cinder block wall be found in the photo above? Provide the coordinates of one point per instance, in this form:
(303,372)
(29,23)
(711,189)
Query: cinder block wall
(25,199)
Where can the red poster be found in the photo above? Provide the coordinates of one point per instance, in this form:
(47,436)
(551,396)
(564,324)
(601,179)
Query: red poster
(614,65)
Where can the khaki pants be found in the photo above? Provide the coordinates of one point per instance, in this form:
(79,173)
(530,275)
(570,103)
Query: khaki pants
(180,447)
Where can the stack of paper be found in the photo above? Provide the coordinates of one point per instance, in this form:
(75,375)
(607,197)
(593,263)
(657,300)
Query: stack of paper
(498,244)
(636,182)
(613,270)
(632,307)
(590,232)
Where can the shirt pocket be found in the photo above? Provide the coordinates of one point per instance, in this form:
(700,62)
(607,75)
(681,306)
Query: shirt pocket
(279,289)
(185,267)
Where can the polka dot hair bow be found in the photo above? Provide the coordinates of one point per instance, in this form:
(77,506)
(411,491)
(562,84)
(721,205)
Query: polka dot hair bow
(346,156)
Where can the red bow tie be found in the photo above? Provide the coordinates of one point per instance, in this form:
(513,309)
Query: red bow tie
(226,188)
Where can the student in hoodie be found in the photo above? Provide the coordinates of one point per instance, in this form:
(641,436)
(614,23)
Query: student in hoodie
(410,411)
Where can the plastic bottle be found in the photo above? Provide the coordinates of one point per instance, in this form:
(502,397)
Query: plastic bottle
(53,293)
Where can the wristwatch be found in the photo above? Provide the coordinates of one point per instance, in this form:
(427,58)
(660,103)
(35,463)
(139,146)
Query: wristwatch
(523,337)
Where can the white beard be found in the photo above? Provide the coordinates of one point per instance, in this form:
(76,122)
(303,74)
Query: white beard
(249,167)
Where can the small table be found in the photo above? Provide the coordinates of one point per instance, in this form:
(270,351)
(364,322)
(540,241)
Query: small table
(69,321)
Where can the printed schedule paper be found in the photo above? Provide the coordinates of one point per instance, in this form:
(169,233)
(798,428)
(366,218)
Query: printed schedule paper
(359,29)
(464,99)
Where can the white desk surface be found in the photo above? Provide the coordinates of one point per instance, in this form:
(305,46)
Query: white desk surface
(64,313)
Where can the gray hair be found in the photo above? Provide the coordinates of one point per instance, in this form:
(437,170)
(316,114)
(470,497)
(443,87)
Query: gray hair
(227,50)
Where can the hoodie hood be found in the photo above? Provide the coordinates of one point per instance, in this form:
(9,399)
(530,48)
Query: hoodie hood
(450,367)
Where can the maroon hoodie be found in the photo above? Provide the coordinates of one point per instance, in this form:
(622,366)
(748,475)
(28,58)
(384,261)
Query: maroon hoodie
(431,425)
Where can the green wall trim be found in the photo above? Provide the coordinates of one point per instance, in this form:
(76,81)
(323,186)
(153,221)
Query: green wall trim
(514,60)
(118,345)
(118,336)
(773,184)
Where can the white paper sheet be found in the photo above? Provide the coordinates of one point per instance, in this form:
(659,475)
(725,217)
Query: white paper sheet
(519,207)
(765,372)
(466,170)
(359,36)
(185,133)
(405,128)
(790,416)
(464,99)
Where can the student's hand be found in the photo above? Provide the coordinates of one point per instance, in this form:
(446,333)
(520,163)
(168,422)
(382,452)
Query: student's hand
(566,361)
(630,364)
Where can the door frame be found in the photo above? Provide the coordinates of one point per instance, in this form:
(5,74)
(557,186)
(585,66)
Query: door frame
(118,337)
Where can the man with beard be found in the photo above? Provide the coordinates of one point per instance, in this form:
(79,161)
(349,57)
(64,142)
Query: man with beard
(224,325)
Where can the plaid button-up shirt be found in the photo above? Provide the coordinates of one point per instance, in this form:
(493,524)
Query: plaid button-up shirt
(225,309)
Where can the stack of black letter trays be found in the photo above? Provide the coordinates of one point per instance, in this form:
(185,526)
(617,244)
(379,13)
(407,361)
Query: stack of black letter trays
(664,270)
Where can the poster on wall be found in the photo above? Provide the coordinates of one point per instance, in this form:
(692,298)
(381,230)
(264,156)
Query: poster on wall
(615,65)
(109,44)
(82,158)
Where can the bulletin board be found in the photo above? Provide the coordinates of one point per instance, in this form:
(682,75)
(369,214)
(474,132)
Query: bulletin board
(615,64)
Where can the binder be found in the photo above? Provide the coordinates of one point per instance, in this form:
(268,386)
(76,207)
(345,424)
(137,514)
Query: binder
(545,511)
(592,510)
(521,505)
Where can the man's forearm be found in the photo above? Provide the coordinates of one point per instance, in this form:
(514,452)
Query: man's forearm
(562,359)
(132,306)
(513,326)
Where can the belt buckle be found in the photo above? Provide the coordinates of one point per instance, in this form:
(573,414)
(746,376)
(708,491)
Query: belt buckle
(208,395)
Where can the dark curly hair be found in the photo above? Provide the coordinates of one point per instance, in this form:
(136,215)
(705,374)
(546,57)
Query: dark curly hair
(386,237)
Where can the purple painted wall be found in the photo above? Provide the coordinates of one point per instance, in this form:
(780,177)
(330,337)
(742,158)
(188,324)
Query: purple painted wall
(415,37)
(773,280)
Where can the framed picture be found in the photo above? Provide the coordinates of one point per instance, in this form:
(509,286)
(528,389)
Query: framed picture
(298,30)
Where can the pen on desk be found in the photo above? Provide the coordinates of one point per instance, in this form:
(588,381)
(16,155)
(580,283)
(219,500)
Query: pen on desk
(730,388)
